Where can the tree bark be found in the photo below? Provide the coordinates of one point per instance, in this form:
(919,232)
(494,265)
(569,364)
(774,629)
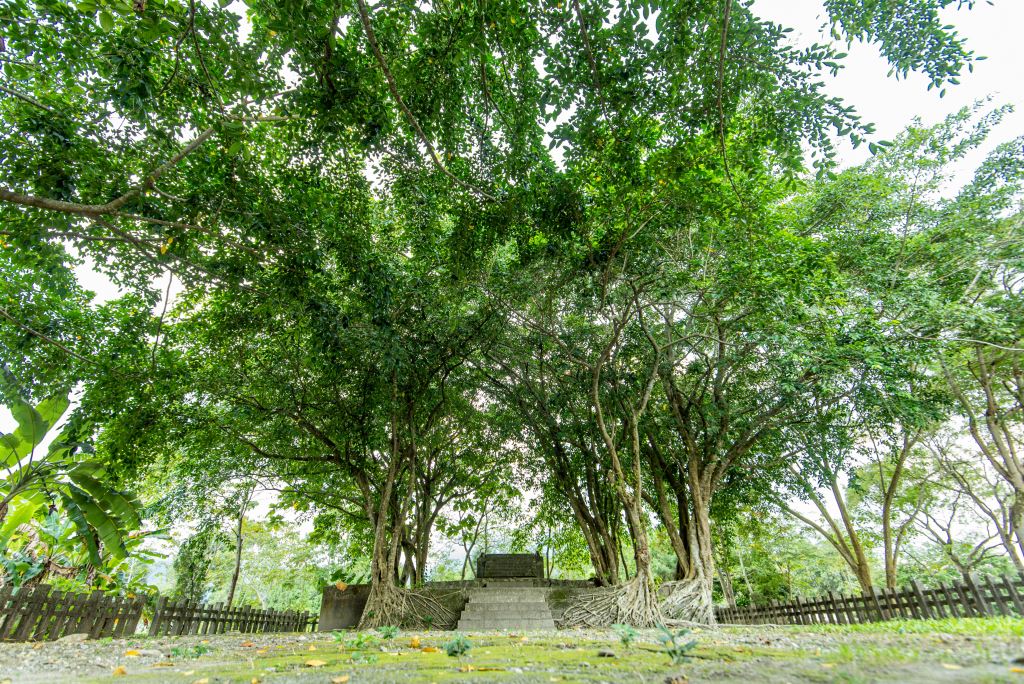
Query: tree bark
(236,571)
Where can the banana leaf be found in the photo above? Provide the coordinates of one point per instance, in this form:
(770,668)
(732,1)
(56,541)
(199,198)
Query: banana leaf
(120,505)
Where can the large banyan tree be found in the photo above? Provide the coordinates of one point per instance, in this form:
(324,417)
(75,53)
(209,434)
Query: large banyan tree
(392,219)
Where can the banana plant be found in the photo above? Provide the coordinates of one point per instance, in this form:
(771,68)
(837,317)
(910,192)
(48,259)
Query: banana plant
(34,479)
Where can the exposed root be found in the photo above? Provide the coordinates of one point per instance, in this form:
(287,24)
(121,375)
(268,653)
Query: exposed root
(687,600)
(391,605)
(633,603)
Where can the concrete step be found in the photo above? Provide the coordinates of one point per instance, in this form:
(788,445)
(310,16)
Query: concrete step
(514,584)
(516,624)
(510,609)
(503,601)
(514,608)
(508,595)
(506,616)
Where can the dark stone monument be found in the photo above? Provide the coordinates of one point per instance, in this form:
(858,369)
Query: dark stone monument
(342,607)
(510,565)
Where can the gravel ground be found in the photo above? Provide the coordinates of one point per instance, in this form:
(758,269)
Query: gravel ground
(728,654)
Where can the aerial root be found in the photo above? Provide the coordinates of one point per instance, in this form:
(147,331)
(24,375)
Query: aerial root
(687,600)
(391,605)
(633,603)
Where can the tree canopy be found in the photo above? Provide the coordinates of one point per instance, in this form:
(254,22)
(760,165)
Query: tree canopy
(428,257)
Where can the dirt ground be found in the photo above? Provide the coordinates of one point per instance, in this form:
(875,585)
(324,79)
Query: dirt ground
(946,651)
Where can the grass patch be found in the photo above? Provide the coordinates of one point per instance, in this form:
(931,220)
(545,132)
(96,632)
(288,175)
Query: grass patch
(993,627)
(777,655)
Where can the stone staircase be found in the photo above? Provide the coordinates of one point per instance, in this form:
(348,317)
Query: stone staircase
(506,607)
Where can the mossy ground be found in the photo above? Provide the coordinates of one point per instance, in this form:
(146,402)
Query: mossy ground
(948,651)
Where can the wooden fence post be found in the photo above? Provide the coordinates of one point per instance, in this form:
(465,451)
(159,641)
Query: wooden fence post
(154,626)
(1011,591)
(30,611)
(953,600)
(922,602)
(879,614)
(49,615)
(997,596)
(972,584)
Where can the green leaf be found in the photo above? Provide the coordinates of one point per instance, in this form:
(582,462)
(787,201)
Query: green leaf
(85,533)
(120,505)
(19,512)
(106,21)
(97,521)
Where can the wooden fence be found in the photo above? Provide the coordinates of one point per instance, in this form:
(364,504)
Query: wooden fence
(189,617)
(971,597)
(41,613)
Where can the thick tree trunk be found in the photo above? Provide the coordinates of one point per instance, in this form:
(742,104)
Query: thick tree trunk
(637,601)
(689,533)
(383,604)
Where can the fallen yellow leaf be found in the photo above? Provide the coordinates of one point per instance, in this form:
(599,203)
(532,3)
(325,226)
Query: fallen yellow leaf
(1015,670)
(166,663)
(262,650)
(254,680)
(204,680)
(247,644)
(340,680)
(414,642)
(38,645)
(951,666)
(315,663)
(312,647)
(132,653)
(120,670)
(466,668)
(430,649)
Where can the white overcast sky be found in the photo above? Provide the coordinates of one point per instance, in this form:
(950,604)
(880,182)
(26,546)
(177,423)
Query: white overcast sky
(992,31)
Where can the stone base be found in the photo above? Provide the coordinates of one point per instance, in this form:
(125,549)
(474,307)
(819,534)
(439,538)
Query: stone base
(342,609)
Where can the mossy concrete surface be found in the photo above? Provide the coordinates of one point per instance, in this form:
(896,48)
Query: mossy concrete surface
(969,651)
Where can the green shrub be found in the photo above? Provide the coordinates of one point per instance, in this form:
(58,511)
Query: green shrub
(458,646)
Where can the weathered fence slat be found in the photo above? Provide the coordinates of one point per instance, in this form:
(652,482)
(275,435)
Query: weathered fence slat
(41,613)
(971,597)
(181,617)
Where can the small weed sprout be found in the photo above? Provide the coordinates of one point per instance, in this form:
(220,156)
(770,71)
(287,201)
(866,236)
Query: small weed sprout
(361,640)
(189,652)
(458,646)
(674,645)
(387,632)
(360,657)
(627,635)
